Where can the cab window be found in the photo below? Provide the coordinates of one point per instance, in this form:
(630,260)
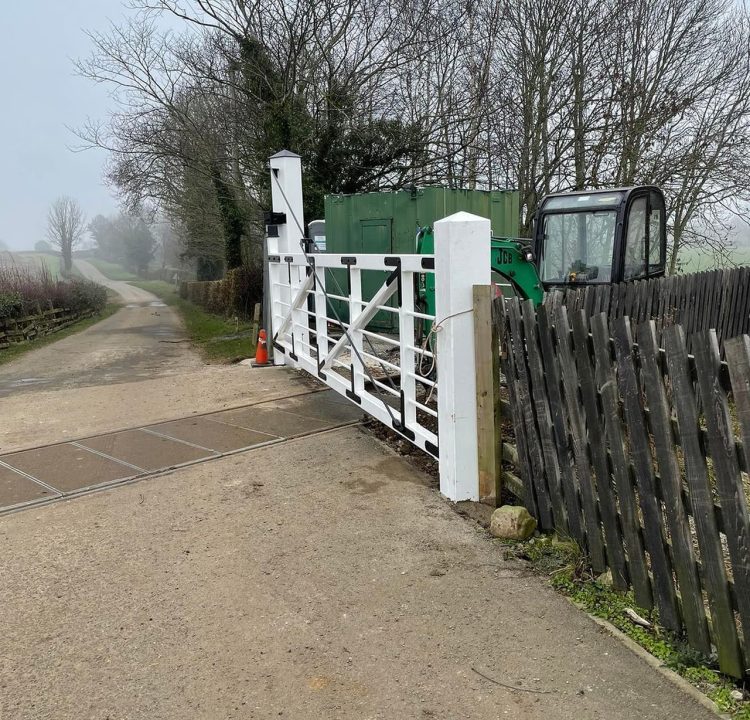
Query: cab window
(577,247)
(656,233)
(636,242)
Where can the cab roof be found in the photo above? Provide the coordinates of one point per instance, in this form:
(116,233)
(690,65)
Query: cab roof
(601,199)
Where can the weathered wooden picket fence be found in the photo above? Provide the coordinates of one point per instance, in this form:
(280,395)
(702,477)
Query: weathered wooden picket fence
(639,454)
(718,299)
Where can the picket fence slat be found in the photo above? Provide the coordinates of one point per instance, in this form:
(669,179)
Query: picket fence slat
(738,359)
(696,473)
(559,425)
(727,472)
(643,295)
(744,300)
(697,302)
(607,385)
(713,306)
(508,364)
(579,447)
(653,521)
(543,417)
(741,317)
(544,504)
(707,305)
(733,301)
(660,425)
(597,447)
(725,295)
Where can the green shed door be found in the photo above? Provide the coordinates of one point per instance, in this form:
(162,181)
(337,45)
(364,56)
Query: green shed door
(376,238)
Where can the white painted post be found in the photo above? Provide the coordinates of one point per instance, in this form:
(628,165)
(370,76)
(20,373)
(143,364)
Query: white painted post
(355,310)
(462,260)
(321,315)
(286,197)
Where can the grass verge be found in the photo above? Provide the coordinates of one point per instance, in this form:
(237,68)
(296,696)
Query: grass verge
(563,564)
(111,270)
(18,349)
(218,339)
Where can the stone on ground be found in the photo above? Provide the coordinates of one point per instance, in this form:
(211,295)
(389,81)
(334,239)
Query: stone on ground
(512,522)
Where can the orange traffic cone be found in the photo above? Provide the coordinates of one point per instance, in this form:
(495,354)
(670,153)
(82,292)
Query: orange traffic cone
(261,350)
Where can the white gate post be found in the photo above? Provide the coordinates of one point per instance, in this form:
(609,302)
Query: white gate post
(286,197)
(462,260)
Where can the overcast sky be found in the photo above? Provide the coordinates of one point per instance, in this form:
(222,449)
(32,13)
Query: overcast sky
(40,96)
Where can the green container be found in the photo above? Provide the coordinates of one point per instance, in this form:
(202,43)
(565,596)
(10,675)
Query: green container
(388,222)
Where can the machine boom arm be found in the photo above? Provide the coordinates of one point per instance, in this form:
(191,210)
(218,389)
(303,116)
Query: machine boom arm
(509,258)
(515,262)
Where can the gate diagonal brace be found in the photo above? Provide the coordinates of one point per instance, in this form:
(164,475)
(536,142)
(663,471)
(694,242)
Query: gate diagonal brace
(368,313)
(299,298)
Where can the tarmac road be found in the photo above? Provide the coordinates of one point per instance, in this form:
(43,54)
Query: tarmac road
(142,340)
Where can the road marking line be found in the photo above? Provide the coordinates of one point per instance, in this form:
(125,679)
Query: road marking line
(108,457)
(30,477)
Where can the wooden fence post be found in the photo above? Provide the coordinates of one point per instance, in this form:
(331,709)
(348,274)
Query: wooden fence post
(487,360)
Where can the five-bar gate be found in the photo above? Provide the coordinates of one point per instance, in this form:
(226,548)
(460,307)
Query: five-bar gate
(419,380)
(388,375)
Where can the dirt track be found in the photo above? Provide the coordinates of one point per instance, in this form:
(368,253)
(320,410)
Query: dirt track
(129,293)
(142,340)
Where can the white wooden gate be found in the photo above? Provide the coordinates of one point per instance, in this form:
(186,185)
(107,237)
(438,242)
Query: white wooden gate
(418,381)
(326,329)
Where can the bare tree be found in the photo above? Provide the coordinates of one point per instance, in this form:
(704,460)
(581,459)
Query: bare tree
(66,225)
(200,113)
(539,95)
(603,94)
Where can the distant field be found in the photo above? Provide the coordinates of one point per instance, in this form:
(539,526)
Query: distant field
(33,260)
(693,260)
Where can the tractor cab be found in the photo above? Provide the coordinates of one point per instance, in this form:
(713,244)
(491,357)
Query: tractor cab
(601,236)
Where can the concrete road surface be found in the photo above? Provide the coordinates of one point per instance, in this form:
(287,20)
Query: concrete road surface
(319,578)
(142,340)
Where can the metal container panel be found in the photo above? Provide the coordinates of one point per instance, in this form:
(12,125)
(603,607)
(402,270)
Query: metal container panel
(387,222)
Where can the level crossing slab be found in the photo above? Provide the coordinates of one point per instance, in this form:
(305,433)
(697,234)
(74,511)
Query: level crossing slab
(39,475)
